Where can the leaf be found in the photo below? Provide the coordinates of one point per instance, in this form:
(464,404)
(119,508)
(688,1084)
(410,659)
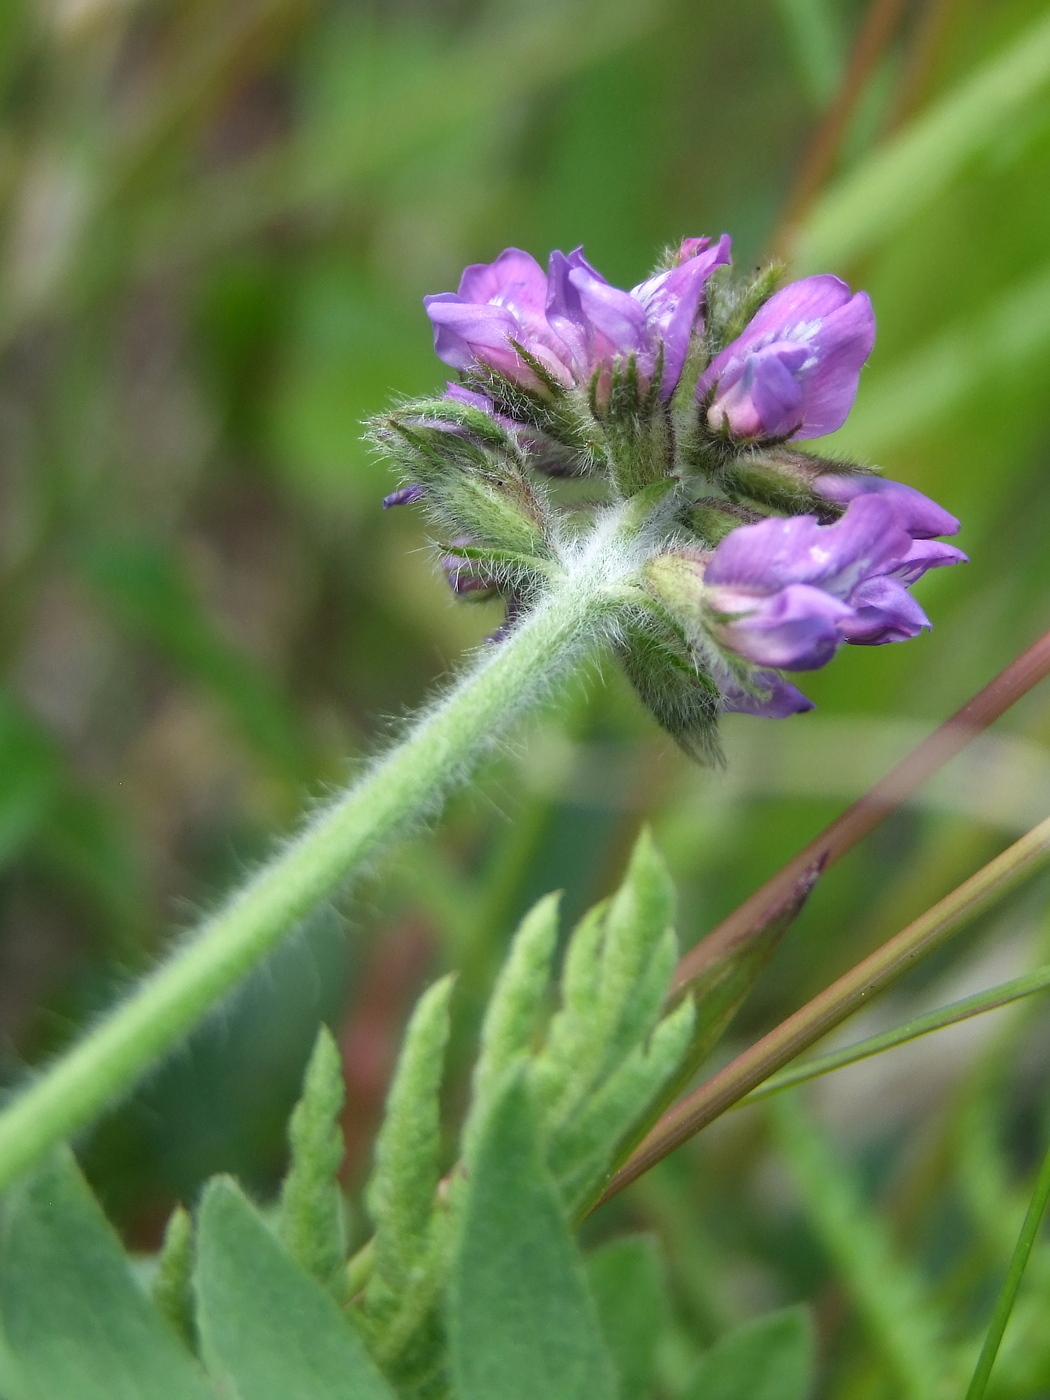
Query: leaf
(268,1330)
(626,1283)
(172,1285)
(311,1224)
(78,1325)
(514,1007)
(769,1359)
(403,1185)
(521,1321)
(887,1291)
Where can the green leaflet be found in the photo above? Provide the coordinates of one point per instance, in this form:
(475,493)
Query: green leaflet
(78,1325)
(407,1170)
(769,1359)
(311,1223)
(514,1007)
(268,1330)
(172,1284)
(521,1321)
(626,1282)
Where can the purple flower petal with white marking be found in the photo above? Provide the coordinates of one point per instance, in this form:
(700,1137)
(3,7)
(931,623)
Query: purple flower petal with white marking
(496,303)
(672,304)
(787,593)
(794,370)
(921,517)
(777,552)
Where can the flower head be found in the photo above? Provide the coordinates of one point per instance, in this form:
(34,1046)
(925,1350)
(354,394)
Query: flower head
(571,320)
(793,372)
(755,557)
(788,593)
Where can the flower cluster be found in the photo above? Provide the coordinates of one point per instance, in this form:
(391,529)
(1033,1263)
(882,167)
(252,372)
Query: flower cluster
(768,558)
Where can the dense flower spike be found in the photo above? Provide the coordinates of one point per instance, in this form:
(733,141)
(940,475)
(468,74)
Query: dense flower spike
(572,320)
(793,372)
(761,557)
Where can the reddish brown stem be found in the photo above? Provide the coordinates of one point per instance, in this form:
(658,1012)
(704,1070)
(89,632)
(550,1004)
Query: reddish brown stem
(878,29)
(876,805)
(833,1005)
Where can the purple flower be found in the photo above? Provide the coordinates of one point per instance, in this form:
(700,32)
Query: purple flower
(773,697)
(407,496)
(916,513)
(571,319)
(599,322)
(496,303)
(787,593)
(793,372)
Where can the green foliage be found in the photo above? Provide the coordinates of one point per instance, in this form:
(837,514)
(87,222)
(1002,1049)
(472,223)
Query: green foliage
(625,1279)
(890,1297)
(408,1151)
(521,1321)
(172,1284)
(770,1359)
(77,1323)
(268,1330)
(311,1222)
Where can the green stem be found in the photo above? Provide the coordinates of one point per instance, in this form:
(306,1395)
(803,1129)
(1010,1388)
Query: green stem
(975,1005)
(833,1005)
(399,790)
(1008,1294)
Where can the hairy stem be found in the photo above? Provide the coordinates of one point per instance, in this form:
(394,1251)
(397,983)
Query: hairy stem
(403,787)
(828,1010)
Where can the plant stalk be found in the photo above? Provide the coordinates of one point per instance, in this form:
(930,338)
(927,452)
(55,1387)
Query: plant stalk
(832,1006)
(1008,1294)
(976,1005)
(869,811)
(398,791)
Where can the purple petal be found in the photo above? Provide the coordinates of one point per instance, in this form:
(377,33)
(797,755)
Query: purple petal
(883,611)
(616,320)
(465,333)
(780,699)
(796,629)
(515,280)
(835,329)
(672,303)
(921,517)
(766,399)
(777,552)
(407,496)
(458,394)
(923,555)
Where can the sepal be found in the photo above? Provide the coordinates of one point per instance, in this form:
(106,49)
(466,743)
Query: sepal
(784,478)
(674,686)
(473,472)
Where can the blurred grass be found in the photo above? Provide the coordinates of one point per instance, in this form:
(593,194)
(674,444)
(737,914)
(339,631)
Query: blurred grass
(216,223)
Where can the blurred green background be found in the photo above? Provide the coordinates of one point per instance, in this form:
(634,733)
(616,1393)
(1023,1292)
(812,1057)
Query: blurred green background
(217,219)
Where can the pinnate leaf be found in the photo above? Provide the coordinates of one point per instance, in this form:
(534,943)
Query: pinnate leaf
(521,1321)
(628,1289)
(770,1359)
(269,1331)
(78,1325)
